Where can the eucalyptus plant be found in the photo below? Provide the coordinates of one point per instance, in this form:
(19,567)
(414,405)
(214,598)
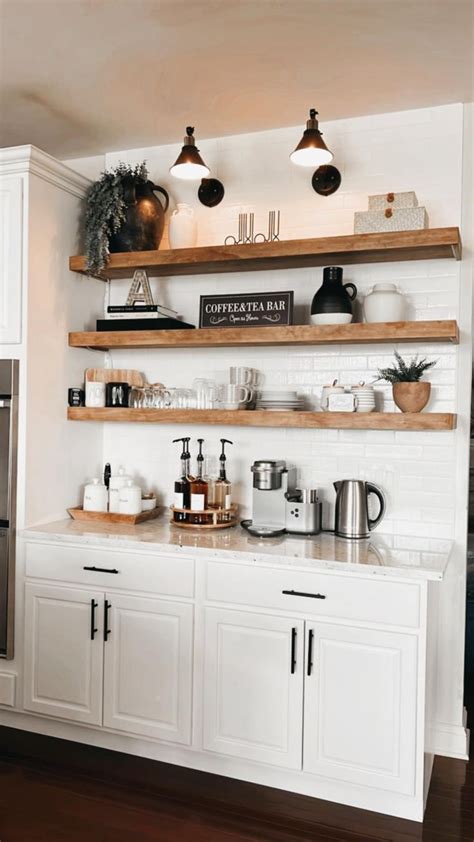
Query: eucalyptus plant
(105,211)
(405,372)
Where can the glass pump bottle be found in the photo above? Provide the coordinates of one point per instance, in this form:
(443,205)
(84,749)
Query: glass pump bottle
(222,486)
(198,487)
(182,486)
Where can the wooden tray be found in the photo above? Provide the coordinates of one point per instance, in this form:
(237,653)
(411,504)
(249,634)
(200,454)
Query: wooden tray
(78,513)
(213,512)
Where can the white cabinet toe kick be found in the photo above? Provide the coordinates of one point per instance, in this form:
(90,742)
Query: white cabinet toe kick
(308,680)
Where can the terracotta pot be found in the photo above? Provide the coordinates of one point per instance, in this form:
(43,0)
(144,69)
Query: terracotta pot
(411,397)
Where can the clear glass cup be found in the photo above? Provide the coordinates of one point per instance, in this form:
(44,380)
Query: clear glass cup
(206,393)
(136,397)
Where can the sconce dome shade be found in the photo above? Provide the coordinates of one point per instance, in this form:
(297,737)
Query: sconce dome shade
(311,150)
(189,165)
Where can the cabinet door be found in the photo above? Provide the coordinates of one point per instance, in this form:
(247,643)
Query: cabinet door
(11,244)
(148,668)
(253,686)
(360,706)
(63,665)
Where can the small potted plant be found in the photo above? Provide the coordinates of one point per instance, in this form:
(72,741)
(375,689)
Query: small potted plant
(409,394)
(122,214)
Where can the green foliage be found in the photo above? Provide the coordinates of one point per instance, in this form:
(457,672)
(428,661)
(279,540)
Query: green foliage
(105,210)
(405,372)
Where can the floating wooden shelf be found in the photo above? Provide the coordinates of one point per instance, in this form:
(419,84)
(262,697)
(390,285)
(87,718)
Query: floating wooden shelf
(262,418)
(391,332)
(428,244)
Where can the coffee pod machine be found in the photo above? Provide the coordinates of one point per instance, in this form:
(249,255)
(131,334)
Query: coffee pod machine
(278,506)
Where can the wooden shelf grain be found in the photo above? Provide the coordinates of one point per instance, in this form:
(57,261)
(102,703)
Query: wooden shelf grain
(384,332)
(261,418)
(428,244)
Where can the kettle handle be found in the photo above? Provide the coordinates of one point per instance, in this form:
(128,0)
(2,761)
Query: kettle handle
(372,489)
(157,189)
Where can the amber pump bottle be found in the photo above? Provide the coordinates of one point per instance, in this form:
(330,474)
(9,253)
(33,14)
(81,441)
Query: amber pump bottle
(182,486)
(199,491)
(222,486)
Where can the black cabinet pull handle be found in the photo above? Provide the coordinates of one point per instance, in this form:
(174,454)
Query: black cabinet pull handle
(94,605)
(293,650)
(302,593)
(101,569)
(107,605)
(310,651)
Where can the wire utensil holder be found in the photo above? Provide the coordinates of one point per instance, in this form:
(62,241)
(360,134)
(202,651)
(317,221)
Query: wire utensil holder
(246,230)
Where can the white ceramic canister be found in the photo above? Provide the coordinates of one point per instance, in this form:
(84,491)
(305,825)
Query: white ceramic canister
(327,391)
(116,482)
(96,496)
(384,303)
(130,499)
(365,395)
(182,233)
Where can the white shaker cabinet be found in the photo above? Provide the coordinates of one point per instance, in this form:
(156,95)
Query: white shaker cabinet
(360,706)
(148,668)
(253,686)
(63,656)
(11,245)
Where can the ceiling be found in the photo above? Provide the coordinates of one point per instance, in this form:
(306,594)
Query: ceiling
(79,77)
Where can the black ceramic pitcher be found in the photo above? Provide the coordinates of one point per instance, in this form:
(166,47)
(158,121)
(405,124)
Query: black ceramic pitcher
(332,304)
(145,218)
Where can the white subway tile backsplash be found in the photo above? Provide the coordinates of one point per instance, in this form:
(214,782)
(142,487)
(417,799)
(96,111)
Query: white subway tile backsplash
(417,470)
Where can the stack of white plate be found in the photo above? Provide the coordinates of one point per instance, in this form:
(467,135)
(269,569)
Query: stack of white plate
(279,399)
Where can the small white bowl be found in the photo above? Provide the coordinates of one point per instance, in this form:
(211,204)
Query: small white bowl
(148,504)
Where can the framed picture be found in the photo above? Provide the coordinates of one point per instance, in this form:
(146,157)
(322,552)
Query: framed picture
(246,309)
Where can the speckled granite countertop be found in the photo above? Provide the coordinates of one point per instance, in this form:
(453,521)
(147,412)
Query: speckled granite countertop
(380,555)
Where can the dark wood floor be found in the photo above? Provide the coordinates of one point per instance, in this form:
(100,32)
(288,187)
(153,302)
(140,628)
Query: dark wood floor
(55,791)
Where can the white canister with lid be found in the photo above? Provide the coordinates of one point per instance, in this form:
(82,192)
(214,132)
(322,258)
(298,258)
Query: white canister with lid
(116,482)
(130,499)
(182,231)
(96,496)
(384,303)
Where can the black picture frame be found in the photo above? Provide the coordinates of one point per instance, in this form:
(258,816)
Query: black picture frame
(246,309)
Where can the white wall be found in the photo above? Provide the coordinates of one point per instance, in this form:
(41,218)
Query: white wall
(423,474)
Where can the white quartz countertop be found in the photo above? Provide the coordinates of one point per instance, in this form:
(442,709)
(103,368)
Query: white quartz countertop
(381,555)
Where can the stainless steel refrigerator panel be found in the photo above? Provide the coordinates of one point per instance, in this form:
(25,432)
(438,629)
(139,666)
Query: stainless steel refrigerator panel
(8,469)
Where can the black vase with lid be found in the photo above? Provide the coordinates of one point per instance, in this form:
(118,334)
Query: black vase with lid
(332,304)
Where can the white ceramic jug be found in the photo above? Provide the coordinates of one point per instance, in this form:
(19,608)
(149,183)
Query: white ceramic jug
(384,303)
(182,232)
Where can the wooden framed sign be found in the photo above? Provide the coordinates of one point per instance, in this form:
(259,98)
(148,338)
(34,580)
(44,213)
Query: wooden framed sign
(246,309)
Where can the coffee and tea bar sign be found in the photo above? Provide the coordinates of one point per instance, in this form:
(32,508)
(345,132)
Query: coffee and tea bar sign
(252,309)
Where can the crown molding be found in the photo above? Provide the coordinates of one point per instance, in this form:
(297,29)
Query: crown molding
(18,160)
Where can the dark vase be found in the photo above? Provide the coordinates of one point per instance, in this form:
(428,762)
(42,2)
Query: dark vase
(145,218)
(332,304)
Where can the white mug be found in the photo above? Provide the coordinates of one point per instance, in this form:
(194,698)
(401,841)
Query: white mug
(245,376)
(233,393)
(95,393)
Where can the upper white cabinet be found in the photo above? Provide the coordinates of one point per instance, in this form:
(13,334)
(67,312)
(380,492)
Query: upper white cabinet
(360,706)
(253,686)
(11,245)
(149,667)
(63,656)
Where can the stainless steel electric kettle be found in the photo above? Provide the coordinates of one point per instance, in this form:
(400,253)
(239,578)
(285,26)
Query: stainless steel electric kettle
(352,509)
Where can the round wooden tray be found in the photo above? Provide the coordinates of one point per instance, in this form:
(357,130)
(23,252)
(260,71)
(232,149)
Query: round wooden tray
(213,512)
